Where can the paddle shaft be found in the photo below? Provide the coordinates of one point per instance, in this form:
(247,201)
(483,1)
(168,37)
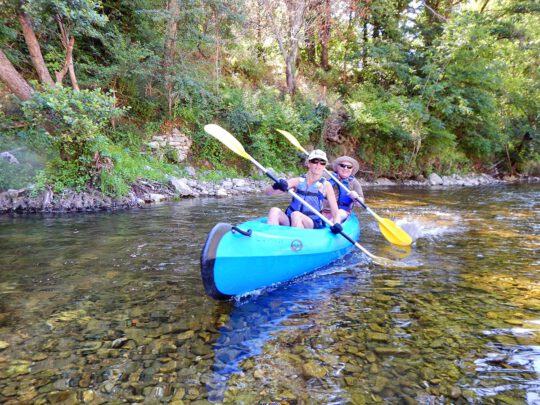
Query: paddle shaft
(358,200)
(389,229)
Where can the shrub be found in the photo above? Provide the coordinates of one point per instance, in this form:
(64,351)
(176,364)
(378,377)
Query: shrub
(72,118)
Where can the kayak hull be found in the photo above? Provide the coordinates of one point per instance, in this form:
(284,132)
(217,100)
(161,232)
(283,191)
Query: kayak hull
(238,259)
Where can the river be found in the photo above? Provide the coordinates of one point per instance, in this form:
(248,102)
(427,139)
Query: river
(109,307)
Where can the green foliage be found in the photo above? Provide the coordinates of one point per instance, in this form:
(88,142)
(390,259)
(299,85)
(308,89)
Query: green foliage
(62,175)
(118,167)
(222,172)
(386,126)
(196,100)
(72,118)
(80,16)
(112,170)
(299,117)
(425,90)
(126,134)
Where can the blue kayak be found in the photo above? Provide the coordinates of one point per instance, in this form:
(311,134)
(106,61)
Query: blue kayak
(238,259)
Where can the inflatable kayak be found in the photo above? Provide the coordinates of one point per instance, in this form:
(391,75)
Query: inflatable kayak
(238,259)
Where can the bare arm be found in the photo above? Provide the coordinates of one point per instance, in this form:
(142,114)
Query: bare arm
(356,191)
(331,198)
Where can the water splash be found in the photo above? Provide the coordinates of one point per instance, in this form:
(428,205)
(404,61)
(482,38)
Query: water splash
(431,224)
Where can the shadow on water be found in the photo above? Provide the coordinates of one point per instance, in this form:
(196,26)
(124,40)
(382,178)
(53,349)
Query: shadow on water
(255,321)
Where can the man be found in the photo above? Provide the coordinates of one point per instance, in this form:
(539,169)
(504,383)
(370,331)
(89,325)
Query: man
(345,167)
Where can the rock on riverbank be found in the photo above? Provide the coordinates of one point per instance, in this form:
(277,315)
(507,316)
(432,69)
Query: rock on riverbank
(144,193)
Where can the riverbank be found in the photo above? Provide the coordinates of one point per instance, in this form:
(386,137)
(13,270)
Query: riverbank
(145,193)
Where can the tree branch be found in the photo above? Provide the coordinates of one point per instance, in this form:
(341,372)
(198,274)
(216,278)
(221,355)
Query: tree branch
(68,43)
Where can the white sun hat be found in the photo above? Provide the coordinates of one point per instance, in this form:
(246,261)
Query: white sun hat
(317,154)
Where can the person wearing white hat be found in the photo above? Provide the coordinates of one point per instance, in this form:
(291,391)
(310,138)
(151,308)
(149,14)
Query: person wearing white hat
(314,189)
(345,167)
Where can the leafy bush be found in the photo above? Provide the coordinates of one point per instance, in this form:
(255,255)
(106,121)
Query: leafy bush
(386,127)
(62,175)
(72,118)
(122,167)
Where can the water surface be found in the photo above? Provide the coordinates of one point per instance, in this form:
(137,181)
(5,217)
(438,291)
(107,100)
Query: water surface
(109,307)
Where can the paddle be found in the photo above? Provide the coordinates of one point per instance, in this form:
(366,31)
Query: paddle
(392,232)
(233,144)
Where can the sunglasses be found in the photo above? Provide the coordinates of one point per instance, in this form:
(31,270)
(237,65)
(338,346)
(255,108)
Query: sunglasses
(345,166)
(315,161)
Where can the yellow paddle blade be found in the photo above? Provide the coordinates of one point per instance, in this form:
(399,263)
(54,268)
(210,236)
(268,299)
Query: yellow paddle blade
(393,233)
(292,140)
(227,139)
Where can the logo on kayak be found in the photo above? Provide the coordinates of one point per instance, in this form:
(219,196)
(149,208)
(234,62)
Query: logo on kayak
(296,245)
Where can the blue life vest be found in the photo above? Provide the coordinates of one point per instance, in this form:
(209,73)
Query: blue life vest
(343,200)
(312,196)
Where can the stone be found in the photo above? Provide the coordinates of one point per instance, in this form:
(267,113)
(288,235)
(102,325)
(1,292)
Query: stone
(8,157)
(221,192)
(381,181)
(312,369)
(435,180)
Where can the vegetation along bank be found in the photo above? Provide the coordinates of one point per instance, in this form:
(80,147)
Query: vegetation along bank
(103,103)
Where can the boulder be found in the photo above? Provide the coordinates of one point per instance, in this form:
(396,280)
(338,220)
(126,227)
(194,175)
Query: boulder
(382,181)
(181,187)
(9,158)
(435,180)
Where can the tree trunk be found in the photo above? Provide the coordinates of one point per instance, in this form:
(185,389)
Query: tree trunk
(170,48)
(286,19)
(68,43)
(62,73)
(312,15)
(325,36)
(290,75)
(365,40)
(35,50)
(13,80)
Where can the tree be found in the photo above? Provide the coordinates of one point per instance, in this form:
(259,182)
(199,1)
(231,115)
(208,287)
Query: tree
(171,31)
(71,18)
(286,19)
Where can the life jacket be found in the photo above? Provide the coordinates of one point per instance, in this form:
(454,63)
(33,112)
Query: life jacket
(311,195)
(343,200)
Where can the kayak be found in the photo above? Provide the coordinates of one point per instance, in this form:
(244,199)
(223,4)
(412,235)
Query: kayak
(236,260)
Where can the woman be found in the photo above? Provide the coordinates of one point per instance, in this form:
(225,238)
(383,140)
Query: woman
(345,167)
(314,189)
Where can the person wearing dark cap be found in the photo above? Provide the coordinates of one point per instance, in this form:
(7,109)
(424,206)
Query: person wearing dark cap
(314,189)
(345,167)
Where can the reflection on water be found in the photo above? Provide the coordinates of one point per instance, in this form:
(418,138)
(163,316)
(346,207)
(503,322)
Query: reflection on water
(254,323)
(109,307)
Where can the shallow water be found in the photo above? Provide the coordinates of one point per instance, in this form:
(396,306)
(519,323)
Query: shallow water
(109,307)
